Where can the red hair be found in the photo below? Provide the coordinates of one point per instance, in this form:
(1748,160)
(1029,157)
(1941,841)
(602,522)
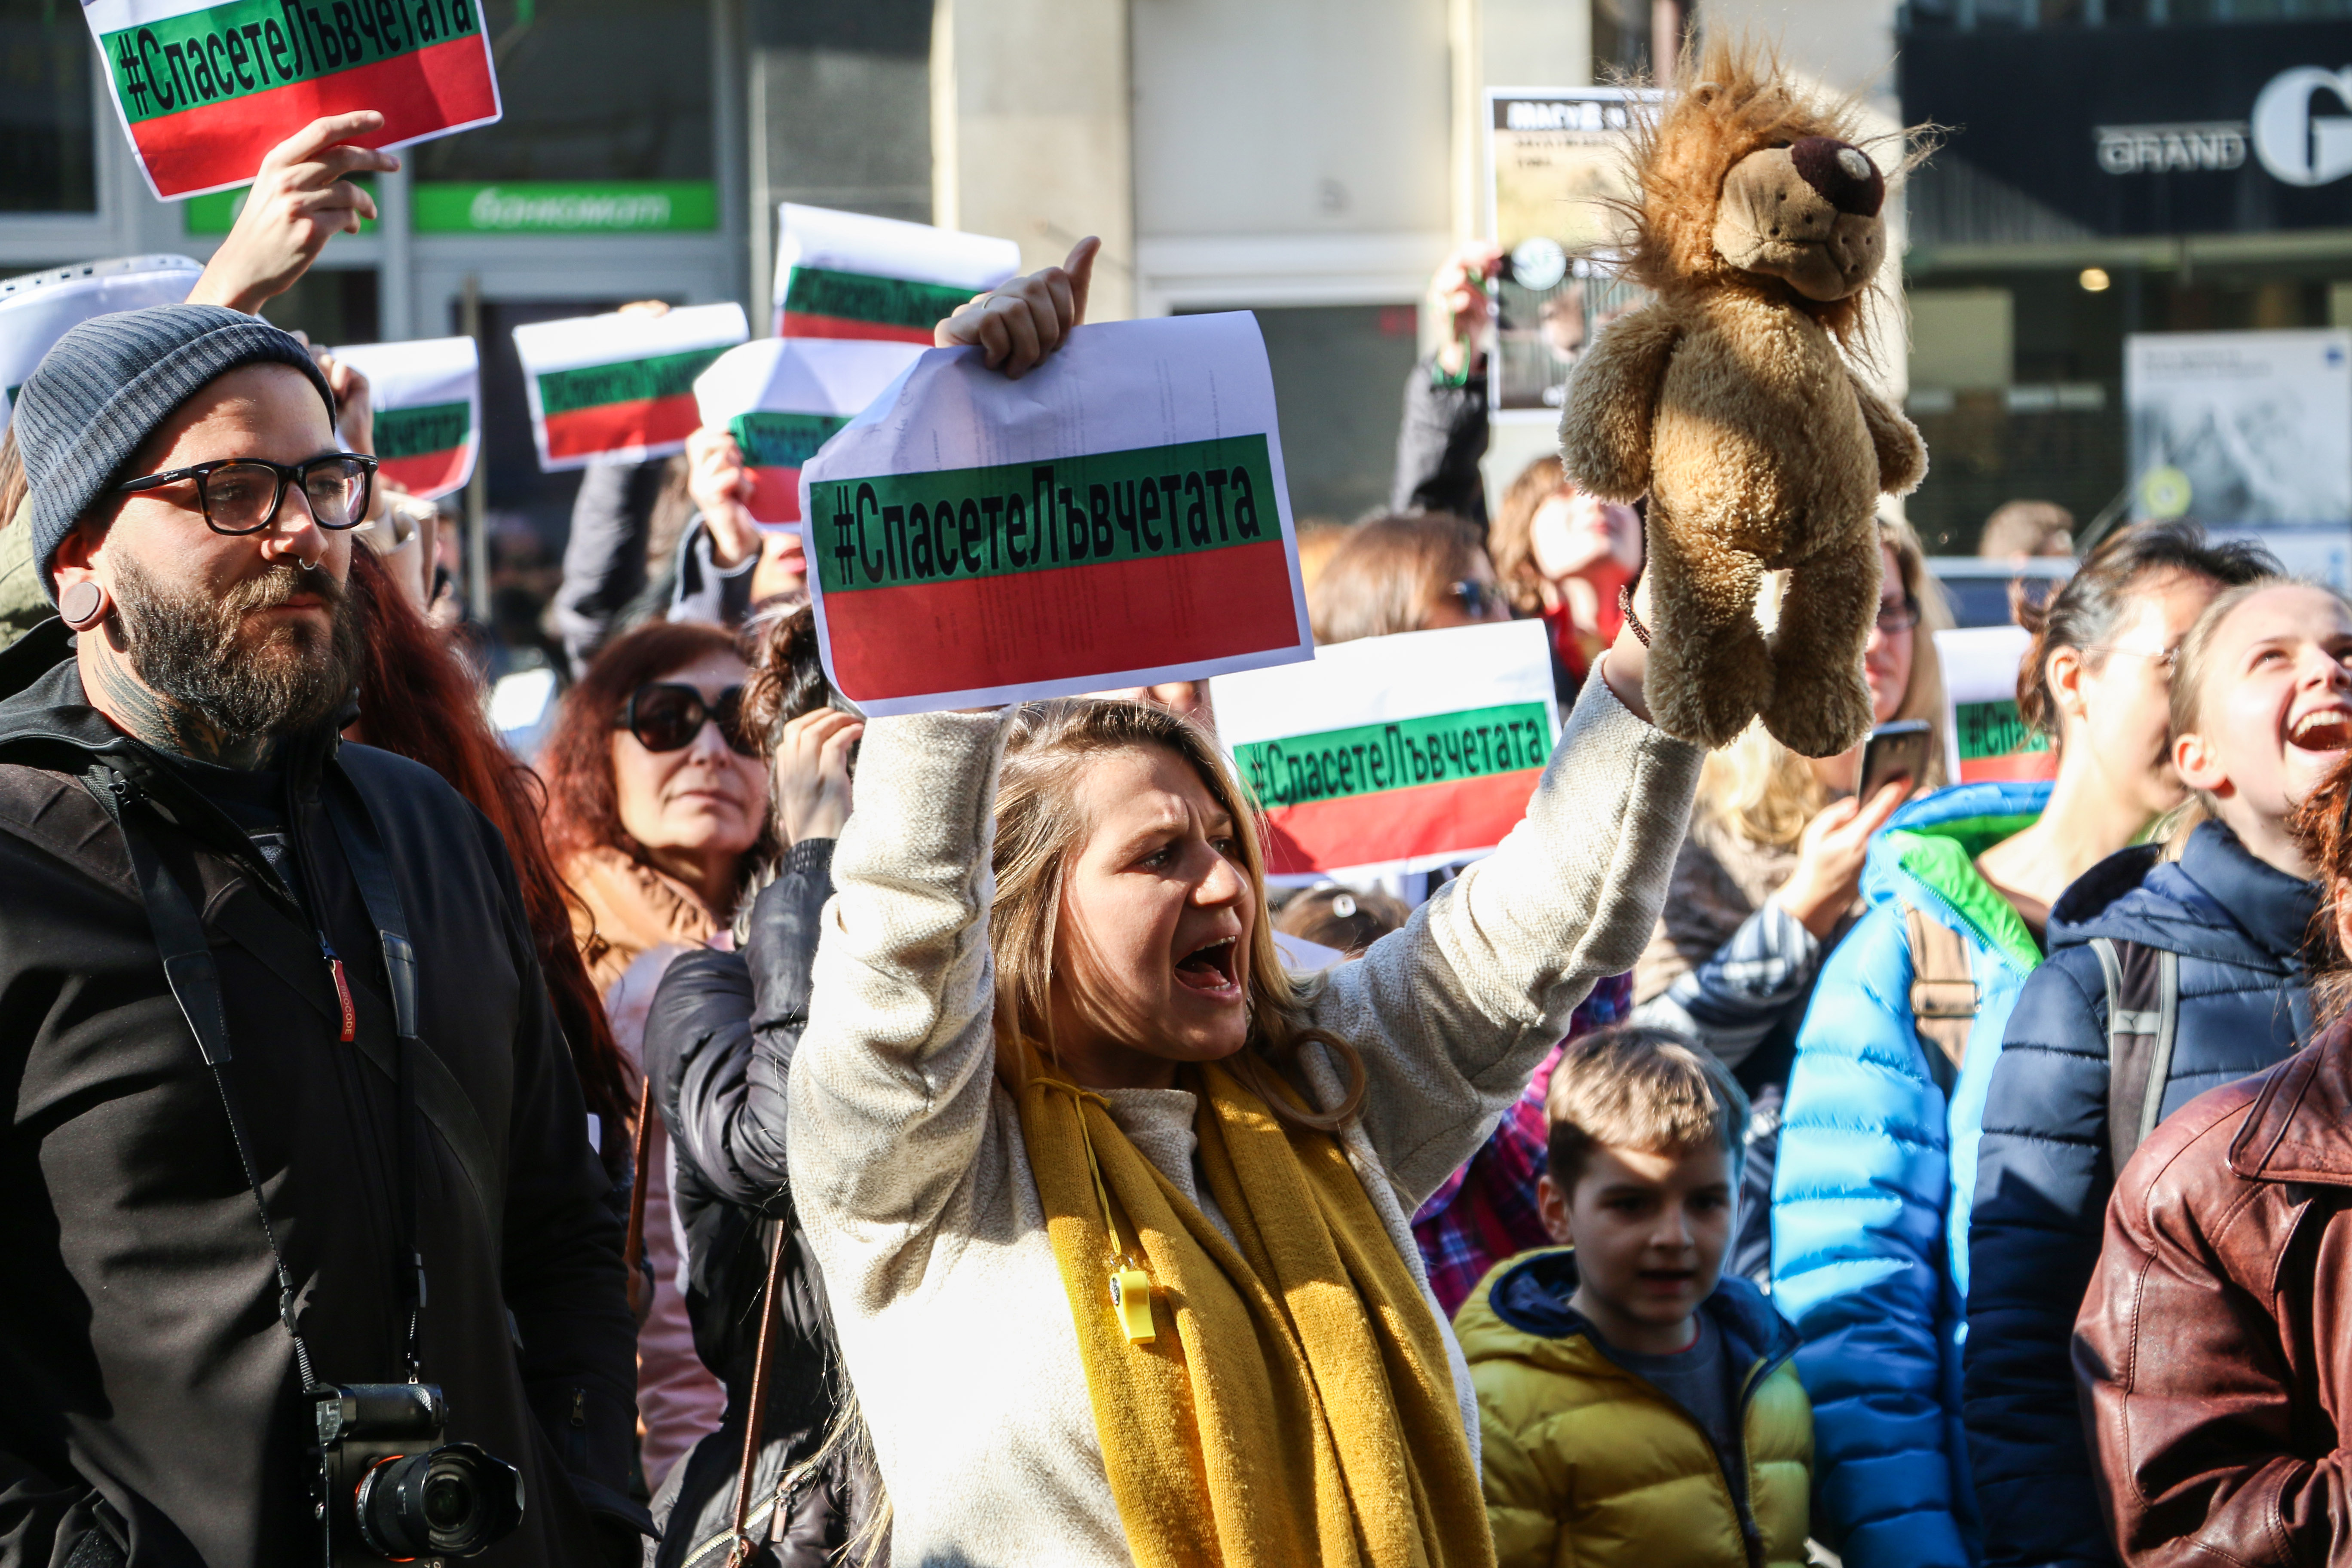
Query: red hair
(583,806)
(437,718)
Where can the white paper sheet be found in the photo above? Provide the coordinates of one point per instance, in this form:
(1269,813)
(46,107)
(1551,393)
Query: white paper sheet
(586,343)
(1270,719)
(39,307)
(425,373)
(1124,387)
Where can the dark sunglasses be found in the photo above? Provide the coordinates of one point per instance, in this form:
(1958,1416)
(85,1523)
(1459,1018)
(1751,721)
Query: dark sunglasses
(242,495)
(667,717)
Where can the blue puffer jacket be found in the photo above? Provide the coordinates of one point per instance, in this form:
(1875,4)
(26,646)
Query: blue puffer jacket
(1870,1202)
(2042,1171)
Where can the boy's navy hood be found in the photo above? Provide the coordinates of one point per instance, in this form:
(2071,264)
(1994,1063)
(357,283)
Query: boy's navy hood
(1532,1295)
(2216,902)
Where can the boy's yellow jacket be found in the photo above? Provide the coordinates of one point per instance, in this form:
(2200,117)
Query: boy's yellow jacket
(1587,1464)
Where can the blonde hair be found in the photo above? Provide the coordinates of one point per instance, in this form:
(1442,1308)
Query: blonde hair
(1040,830)
(1633,1087)
(1765,793)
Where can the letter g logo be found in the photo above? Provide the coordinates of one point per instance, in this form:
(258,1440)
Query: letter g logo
(2295,145)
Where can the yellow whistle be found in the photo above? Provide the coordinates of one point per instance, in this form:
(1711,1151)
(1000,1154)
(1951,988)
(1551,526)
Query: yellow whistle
(1131,1298)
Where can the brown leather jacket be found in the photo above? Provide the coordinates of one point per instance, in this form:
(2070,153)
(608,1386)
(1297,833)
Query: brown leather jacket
(2215,1347)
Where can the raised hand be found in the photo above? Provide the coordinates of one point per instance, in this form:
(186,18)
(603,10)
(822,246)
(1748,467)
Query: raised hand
(812,773)
(299,200)
(1016,326)
(722,486)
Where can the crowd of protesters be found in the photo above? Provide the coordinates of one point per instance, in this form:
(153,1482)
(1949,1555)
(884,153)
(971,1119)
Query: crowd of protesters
(779,1138)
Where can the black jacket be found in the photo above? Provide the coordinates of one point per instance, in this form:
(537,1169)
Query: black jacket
(147,1389)
(2043,1170)
(718,1051)
(1440,442)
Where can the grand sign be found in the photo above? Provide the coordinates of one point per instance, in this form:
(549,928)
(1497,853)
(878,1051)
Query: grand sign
(2061,133)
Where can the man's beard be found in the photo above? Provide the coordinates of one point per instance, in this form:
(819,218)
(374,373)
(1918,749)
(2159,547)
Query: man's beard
(197,650)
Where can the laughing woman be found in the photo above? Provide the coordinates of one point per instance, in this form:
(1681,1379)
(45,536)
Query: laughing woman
(1112,1211)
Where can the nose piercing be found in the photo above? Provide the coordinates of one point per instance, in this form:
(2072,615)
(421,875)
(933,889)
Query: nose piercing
(308,565)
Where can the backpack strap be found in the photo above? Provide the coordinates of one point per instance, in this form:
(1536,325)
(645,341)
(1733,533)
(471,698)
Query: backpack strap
(1944,995)
(2143,1016)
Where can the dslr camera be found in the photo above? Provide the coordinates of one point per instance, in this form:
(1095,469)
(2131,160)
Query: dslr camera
(391,1491)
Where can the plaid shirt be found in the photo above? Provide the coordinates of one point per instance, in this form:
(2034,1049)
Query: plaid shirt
(1485,1211)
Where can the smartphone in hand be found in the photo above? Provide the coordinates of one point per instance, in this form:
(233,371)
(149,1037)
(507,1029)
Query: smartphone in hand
(1894,750)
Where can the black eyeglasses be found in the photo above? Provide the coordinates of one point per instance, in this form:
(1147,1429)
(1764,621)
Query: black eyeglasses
(665,717)
(1479,600)
(1895,618)
(241,495)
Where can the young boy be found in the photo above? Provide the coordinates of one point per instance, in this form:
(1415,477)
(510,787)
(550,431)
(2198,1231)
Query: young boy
(1637,1406)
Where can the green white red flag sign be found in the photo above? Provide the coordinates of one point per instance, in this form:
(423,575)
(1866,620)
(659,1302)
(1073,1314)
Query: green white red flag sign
(1396,753)
(206,90)
(1117,516)
(847,275)
(1984,736)
(427,398)
(39,307)
(782,400)
(620,387)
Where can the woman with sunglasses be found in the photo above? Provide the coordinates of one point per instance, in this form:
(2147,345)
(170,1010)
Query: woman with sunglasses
(657,812)
(1877,1161)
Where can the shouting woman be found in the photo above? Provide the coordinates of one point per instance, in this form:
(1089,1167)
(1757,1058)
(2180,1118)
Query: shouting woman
(1111,1210)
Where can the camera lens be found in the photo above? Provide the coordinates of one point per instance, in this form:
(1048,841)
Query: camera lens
(454,1501)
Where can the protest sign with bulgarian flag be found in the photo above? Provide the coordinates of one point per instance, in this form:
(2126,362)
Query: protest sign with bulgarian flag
(1396,754)
(39,307)
(427,397)
(781,400)
(845,275)
(206,90)
(620,386)
(1116,518)
(1984,737)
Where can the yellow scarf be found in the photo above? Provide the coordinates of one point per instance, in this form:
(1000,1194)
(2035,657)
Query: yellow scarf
(1295,1407)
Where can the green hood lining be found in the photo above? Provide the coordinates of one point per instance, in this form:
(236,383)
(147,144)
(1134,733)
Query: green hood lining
(1943,859)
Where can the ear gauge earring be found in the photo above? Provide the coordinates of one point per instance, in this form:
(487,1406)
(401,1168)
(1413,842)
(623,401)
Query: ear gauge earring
(84,604)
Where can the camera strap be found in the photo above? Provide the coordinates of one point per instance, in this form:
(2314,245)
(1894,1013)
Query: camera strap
(194,980)
(372,872)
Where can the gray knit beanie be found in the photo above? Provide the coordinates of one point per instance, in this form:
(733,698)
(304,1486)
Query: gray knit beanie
(101,391)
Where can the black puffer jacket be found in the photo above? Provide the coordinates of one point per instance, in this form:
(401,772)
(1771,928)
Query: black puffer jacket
(150,1406)
(2044,1170)
(719,1045)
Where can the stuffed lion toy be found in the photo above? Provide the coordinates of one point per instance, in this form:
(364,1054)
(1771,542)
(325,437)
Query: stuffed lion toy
(1729,401)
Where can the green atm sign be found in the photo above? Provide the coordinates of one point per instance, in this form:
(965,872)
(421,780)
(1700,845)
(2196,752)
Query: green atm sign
(547,207)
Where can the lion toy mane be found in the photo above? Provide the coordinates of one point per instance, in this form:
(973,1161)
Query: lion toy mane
(1729,401)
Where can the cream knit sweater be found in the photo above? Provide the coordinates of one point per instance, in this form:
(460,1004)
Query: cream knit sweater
(907,1167)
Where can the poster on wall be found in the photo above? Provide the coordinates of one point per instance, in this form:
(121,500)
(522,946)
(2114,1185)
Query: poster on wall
(2240,430)
(1555,158)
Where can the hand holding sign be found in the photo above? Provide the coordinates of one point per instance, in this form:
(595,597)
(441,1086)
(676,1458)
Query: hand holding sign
(301,198)
(1018,324)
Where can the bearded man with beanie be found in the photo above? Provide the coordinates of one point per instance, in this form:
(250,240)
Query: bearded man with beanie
(289,1108)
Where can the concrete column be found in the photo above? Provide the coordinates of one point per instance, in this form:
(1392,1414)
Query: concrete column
(1031,135)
